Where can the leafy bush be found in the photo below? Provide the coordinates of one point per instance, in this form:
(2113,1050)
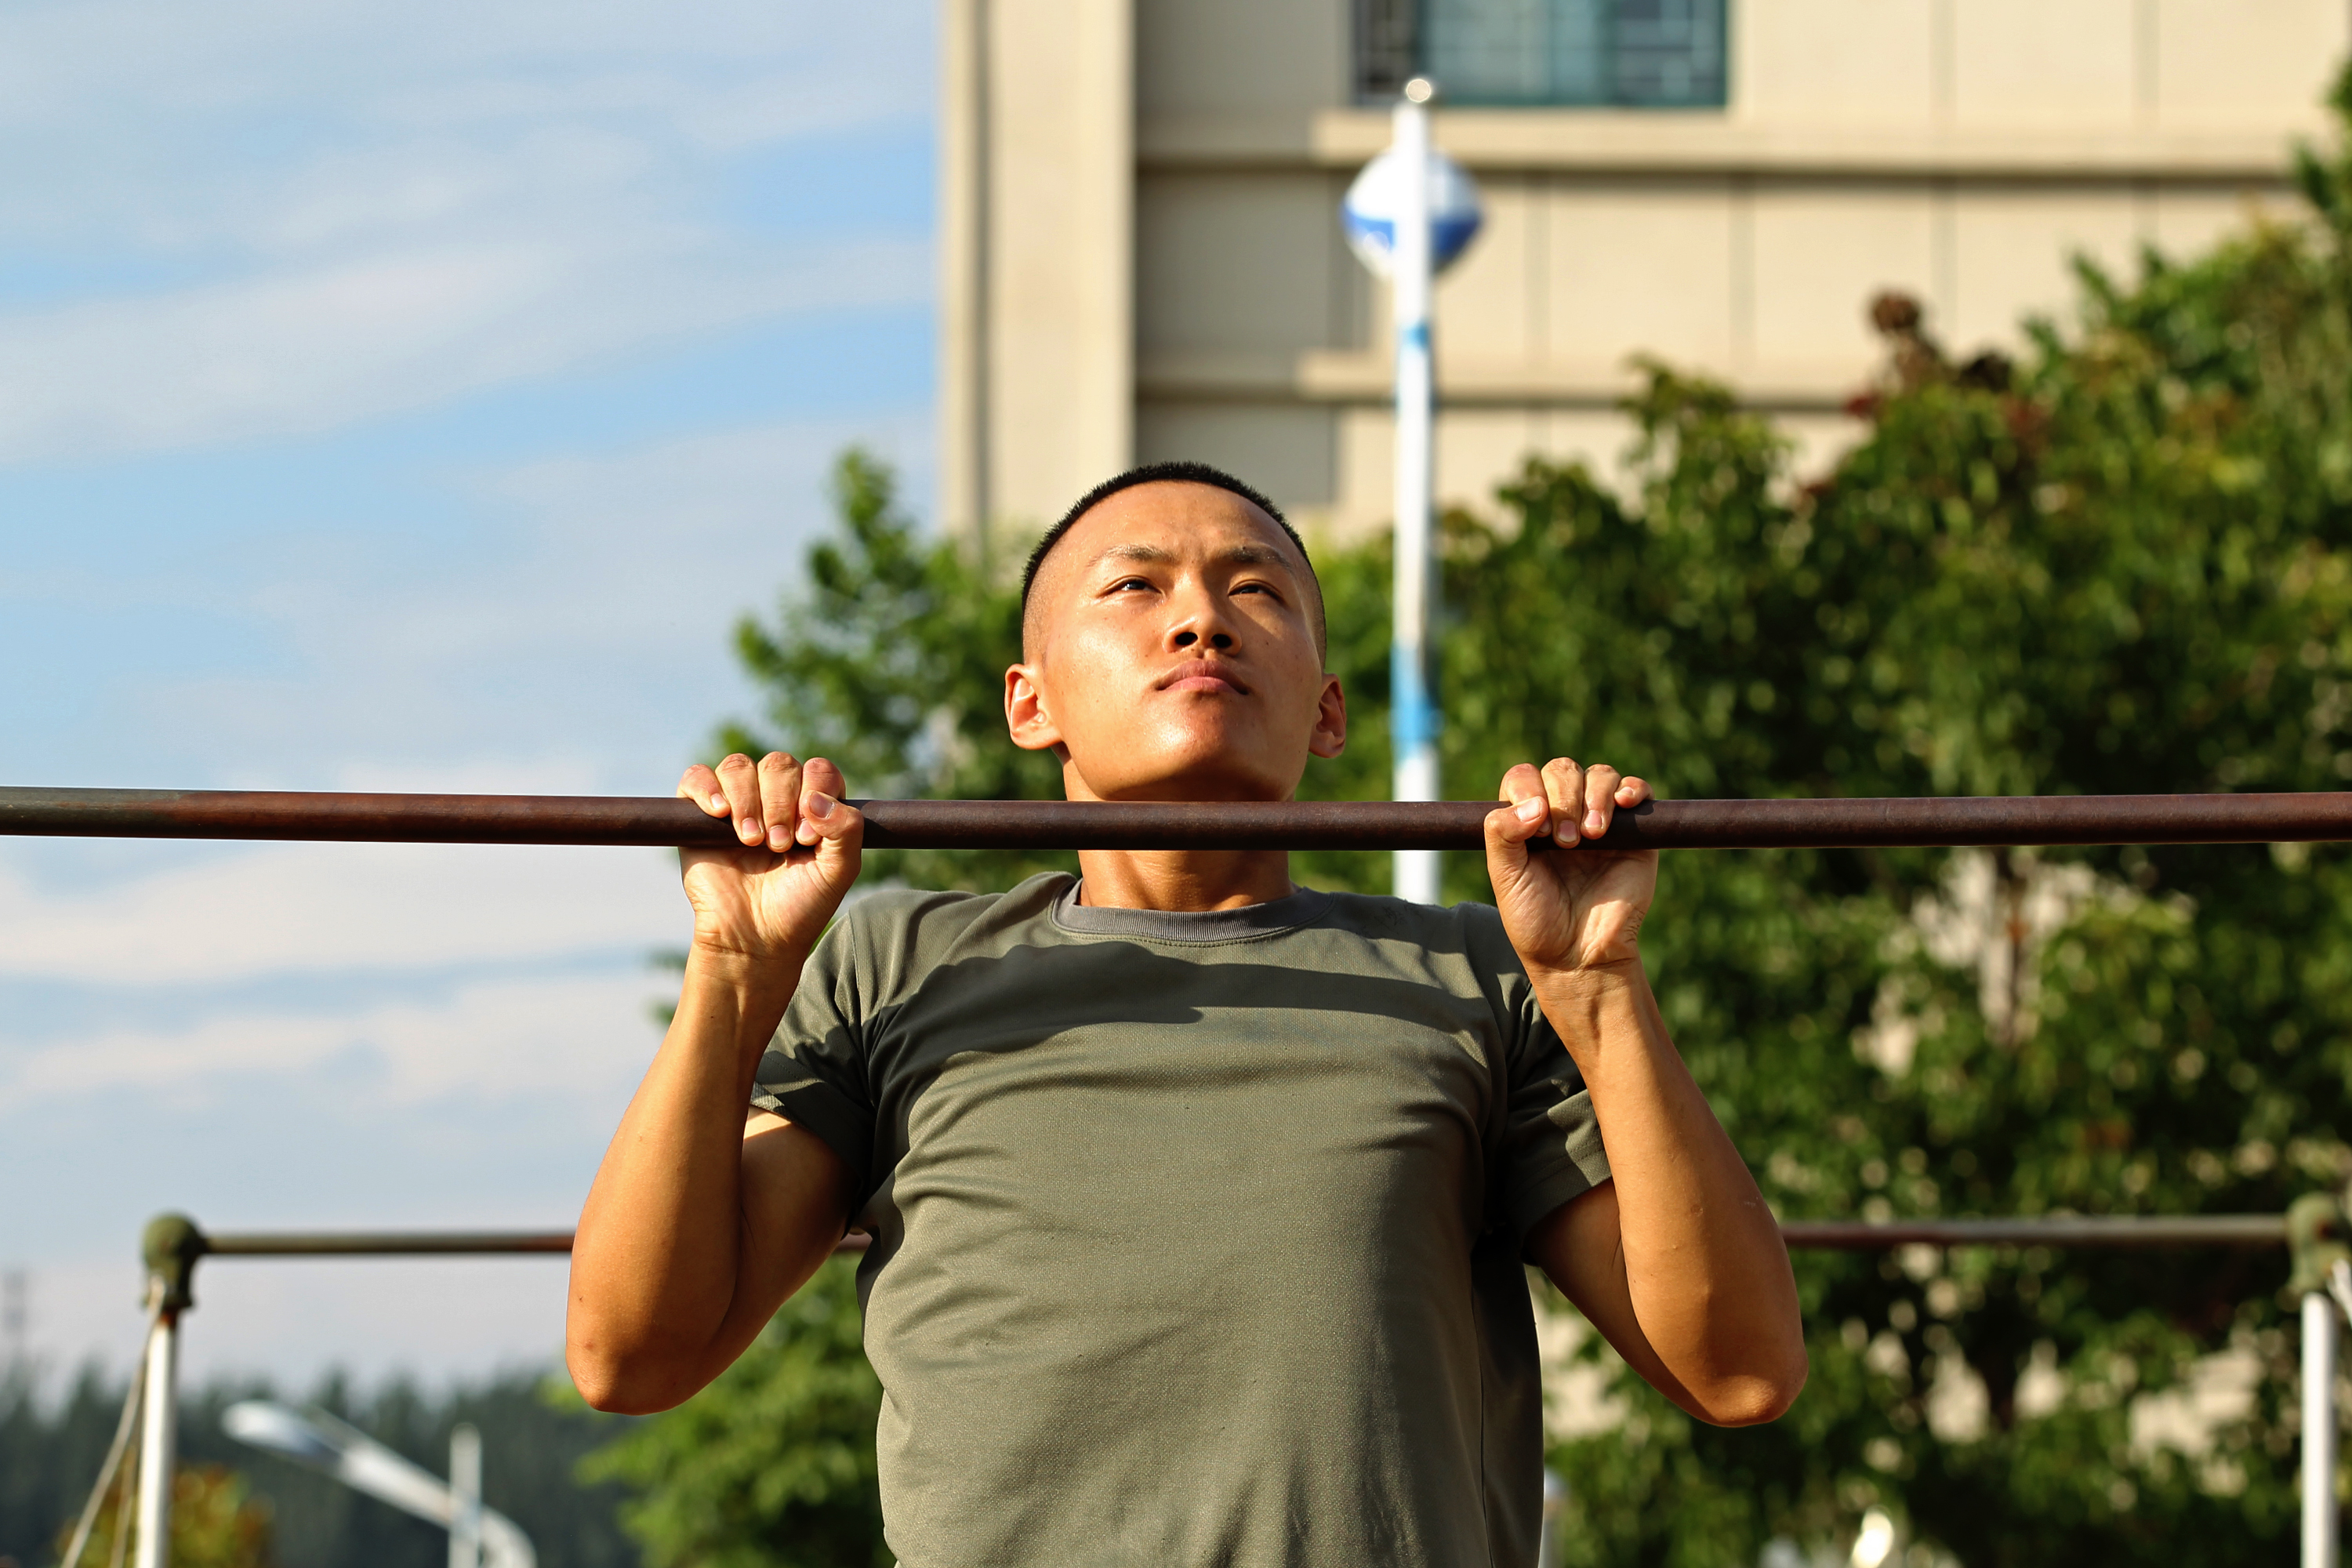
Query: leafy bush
(772,1465)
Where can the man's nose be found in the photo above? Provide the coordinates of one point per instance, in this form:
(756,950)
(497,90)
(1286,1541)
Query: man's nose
(1202,624)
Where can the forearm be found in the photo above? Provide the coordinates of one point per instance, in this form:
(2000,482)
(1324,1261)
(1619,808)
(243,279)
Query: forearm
(657,1259)
(1707,1273)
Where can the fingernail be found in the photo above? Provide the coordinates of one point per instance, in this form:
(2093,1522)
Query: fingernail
(718,803)
(818,806)
(1566,833)
(1530,810)
(779,837)
(751,830)
(1595,824)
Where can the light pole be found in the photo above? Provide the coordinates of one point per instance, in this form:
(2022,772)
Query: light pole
(1408,215)
(479,1537)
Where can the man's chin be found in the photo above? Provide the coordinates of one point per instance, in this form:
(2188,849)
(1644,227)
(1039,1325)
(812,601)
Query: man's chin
(1217,775)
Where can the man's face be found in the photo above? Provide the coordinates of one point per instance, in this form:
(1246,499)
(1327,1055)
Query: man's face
(1171,652)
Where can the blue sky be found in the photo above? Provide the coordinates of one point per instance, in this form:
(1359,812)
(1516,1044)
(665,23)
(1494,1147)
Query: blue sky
(398,397)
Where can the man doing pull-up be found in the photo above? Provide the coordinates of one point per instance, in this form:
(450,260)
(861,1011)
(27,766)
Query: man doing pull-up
(1199,1200)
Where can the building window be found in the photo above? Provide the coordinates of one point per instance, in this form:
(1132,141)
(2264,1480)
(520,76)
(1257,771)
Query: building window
(1628,54)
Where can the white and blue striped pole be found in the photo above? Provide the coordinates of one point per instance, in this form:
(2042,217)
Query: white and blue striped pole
(1408,215)
(1412,710)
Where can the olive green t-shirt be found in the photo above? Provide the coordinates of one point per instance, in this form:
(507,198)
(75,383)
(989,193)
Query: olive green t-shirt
(1196,1236)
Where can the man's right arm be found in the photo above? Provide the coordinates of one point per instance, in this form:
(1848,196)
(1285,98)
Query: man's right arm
(701,1222)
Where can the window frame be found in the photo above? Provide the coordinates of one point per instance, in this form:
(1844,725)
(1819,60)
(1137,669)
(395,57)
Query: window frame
(1389,45)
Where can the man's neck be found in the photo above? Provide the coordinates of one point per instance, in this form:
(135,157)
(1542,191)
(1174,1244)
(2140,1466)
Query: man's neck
(1182,880)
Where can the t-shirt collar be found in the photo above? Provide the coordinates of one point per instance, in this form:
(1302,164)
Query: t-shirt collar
(1304,907)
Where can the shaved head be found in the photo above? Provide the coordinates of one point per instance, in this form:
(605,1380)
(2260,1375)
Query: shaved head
(1049,549)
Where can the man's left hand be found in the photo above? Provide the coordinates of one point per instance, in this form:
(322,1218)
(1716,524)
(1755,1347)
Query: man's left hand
(1568,908)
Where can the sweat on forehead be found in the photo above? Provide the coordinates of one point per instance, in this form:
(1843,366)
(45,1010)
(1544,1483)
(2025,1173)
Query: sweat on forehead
(1164,473)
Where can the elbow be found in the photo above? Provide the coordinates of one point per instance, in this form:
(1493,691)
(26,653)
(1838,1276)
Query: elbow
(622,1384)
(1755,1397)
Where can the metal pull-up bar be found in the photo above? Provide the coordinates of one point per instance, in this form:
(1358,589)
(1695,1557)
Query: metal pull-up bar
(174,1244)
(1920,822)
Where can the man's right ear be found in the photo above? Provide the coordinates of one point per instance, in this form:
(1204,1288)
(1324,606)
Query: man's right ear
(1032,728)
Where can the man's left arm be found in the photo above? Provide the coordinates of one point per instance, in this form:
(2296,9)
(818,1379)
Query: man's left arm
(1676,1259)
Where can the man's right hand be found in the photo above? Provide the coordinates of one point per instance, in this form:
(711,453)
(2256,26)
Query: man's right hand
(771,898)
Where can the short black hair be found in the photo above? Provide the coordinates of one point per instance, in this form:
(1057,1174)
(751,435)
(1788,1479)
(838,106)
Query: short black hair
(1178,471)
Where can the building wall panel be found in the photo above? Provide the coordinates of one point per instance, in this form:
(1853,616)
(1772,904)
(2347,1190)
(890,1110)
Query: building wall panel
(1237,262)
(1833,62)
(1821,252)
(2235,64)
(1490,302)
(2025,64)
(1241,57)
(1059,266)
(2014,257)
(1635,267)
(1288,450)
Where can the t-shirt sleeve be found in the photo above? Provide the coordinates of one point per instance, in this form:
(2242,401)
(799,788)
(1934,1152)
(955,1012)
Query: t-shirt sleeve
(814,1070)
(1552,1149)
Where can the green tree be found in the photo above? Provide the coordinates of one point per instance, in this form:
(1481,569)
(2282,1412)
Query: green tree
(2123,563)
(890,659)
(2119,566)
(772,1465)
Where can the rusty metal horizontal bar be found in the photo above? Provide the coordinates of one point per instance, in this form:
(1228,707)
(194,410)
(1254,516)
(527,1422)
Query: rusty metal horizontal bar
(2192,1230)
(408,1242)
(2188,1230)
(381,1244)
(1156,825)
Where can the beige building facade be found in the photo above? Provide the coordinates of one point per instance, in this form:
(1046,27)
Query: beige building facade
(1143,257)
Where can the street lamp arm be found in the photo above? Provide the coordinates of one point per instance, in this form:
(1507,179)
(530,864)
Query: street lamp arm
(318,1440)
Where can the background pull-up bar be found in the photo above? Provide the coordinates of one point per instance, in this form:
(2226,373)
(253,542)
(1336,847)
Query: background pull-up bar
(1087,825)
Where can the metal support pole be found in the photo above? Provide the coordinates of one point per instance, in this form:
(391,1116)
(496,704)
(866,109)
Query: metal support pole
(2319,1331)
(1412,705)
(158,1444)
(1555,1504)
(170,1248)
(2316,1230)
(465,1496)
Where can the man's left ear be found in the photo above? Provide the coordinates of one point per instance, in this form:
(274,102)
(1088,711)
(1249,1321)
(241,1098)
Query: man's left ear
(1330,737)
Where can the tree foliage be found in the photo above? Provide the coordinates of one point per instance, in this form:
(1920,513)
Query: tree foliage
(2122,564)
(216,1523)
(772,1465)
(2119,566)
(890,660)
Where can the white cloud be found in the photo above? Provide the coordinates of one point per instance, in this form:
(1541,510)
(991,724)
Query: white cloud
(311,349)
(570,1035)
(357,210)
(261,217)
(601,627)
(98,63)
(314,908)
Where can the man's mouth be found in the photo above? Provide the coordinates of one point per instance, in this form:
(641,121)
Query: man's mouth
(1201,674)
